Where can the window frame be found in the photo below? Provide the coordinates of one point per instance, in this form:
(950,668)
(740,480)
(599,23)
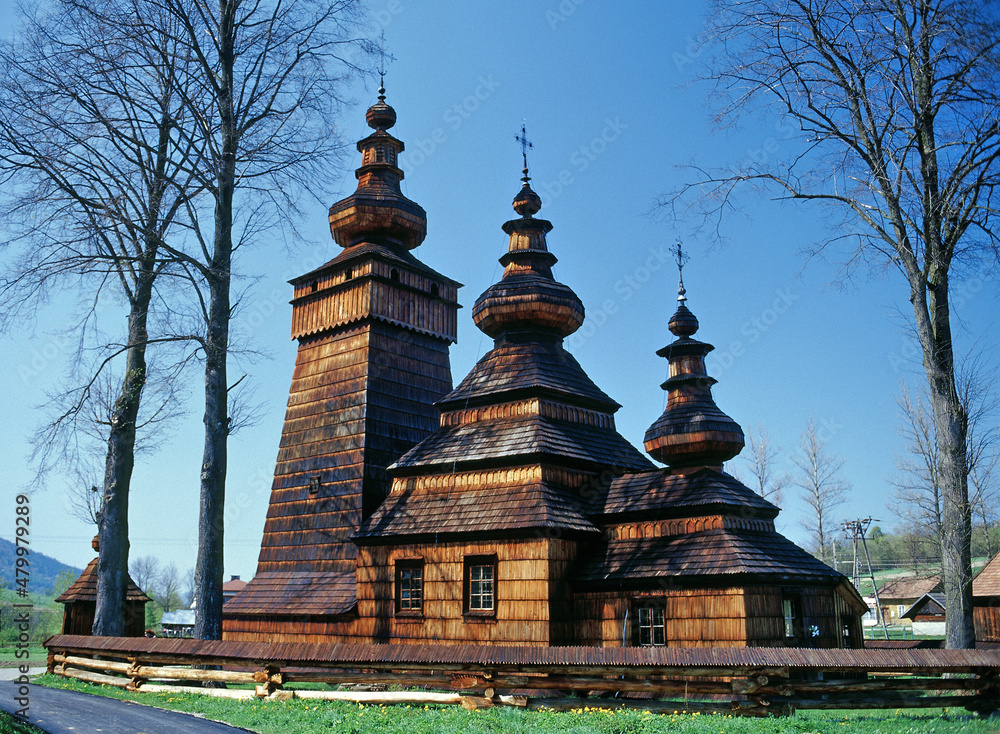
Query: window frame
(479,561)
(791,617)
(653,609)
(401,566)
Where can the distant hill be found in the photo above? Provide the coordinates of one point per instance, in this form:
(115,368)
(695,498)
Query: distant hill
(44,569)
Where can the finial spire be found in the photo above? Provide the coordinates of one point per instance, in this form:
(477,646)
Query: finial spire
(681,258)
(381,66)
(525,146)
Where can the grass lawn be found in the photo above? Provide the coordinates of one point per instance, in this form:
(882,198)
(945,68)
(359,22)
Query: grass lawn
(12,725)
(314,717)
(37,656)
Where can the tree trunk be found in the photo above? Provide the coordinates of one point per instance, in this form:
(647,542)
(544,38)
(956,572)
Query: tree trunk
(209,567)
(112,565)
(934,330)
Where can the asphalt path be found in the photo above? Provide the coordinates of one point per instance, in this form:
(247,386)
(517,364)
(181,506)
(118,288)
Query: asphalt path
(70,712)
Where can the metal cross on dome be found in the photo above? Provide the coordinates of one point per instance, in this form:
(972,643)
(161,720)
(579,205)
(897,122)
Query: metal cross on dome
(381,59)
(525,144)
(681,258)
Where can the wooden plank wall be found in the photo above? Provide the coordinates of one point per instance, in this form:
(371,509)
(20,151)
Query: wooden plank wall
(288,628)
(822,608)
(694,617)
(986,618)
(359,399)
(526,569)
(78,618)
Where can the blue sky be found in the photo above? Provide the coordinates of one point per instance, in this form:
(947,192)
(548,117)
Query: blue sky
(611,102)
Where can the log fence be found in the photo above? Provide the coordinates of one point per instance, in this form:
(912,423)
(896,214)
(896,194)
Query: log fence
(745,681)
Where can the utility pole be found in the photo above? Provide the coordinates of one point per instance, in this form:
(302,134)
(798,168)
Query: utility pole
(857,529)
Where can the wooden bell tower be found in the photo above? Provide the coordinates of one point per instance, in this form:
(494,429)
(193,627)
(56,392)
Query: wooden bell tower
(374,326)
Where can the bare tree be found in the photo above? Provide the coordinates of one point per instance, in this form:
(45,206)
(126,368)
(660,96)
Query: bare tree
(761,459)
(79,447)
(168,588)
(95,179)
(917,495)
(986,499)
(145,572)
(268,82)
(918,487)
(818,478)
(897,103)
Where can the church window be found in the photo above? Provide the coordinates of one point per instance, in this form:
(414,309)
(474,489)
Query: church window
(480,584)
(392,156)
(434,289)
(394,275)
(409,586)
(651,625)
(314,483)
(791,611)
(379,153)
(348,274)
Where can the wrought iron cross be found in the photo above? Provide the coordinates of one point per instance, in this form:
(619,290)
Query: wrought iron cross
(682,258)
(381,59)
(525,144)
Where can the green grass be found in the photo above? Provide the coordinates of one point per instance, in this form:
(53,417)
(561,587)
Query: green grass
(37,655)
(13,725)
(316,717)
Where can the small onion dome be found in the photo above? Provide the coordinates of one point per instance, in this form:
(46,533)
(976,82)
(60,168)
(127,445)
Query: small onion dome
(528,301)
(527,297)
(683,322)
(381,116)
(692,431)
(527,202)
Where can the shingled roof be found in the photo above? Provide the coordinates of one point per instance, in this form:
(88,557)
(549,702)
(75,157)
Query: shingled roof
(531,437)
(365,250)
(709,553)
(480,510)
(85,588)
(987,581)
(518,365)
(912,587)
(296,592)
(662,494)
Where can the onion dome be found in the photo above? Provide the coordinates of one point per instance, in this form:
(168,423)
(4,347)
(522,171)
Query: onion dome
(378,211)
(692,430)
(380,116)
(527,296)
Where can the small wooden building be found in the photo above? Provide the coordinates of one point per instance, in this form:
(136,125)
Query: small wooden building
(899,594)
(986,601)
(927,615)
(507,510)
(80,604)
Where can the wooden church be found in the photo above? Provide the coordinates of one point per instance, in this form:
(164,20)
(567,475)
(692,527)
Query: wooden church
(507,510)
